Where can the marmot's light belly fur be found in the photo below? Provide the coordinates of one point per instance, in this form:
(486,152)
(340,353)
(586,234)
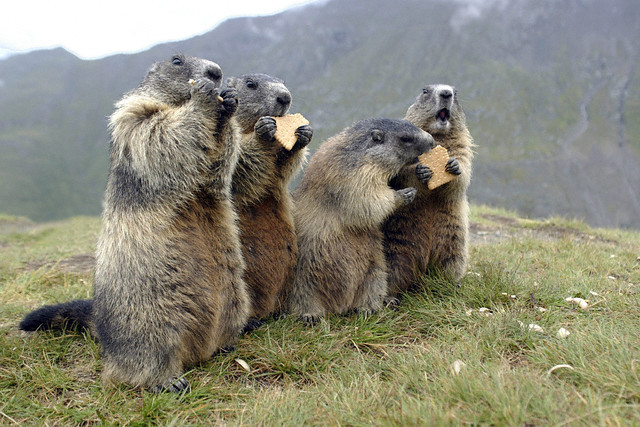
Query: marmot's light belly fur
(260,190)
(168,287)
(433,230)
(339,207)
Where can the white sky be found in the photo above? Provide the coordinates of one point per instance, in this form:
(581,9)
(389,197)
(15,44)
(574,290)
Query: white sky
(93,29)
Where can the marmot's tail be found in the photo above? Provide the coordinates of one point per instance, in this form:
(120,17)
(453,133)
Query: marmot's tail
(71,315)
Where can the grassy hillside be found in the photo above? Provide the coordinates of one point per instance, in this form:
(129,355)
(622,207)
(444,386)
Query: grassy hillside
(392,368)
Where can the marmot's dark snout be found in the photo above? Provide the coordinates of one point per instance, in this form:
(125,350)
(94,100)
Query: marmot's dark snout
(424,143)
(213,73)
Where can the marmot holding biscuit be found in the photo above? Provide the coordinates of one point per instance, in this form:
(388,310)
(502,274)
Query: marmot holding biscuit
(433,230)
(168,288)
(260,188)
(340,204)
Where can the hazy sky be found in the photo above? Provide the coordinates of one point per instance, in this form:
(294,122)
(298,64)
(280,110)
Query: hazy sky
(96,28)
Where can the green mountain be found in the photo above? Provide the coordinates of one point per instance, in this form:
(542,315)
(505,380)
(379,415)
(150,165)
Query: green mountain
(551,90)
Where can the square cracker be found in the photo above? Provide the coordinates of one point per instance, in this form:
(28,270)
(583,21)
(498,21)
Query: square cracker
(286,129)
(437,160)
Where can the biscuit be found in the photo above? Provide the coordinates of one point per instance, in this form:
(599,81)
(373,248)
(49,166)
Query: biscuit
(286,129)
(437,160)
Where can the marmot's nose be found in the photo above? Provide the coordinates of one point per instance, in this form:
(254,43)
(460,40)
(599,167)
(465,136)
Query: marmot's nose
(284,99)
(214,73)
(445,94)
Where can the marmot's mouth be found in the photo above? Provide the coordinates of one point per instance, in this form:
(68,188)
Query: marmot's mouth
(443,114)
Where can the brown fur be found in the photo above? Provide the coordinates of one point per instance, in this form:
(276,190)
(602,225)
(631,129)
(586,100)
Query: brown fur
(432,231)
(163,298)
(339,206)
(260,189)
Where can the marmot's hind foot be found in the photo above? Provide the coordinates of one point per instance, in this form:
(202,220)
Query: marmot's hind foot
(252,325)
(175,385)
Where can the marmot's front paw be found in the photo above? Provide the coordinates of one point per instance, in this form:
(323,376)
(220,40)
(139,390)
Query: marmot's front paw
(453,166)
(423,173)
(265,128)
(204,89)
(229,103)
(303,135)
(407,194)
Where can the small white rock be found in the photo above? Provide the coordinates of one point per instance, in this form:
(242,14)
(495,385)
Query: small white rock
(583,304)
(541,309)
(611,277)
(531,327)
(244,364)
(550,371)
(562,333)
(457,366)
(535,328)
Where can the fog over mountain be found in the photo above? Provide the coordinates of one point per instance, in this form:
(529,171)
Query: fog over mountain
(550,88)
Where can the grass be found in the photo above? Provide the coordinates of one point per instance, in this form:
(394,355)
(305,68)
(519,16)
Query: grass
(393,368)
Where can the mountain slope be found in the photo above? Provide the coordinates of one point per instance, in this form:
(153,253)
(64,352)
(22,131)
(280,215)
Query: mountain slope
(550,88)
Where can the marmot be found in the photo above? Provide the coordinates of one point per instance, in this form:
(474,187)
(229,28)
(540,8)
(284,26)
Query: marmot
(339,207)
(432,231)
(168,286)
(261,193)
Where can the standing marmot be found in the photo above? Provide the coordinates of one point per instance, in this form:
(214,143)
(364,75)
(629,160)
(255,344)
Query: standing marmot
(168,287)
(339,207)
(260,190)
(432,231)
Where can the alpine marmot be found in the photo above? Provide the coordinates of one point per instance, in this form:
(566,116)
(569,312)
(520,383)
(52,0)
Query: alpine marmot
(168,286)
(261,193)
(339,207)
(432,231)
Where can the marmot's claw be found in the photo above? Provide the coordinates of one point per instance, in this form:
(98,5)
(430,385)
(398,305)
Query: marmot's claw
(366,312)
(176,385)
(204,87)
(391,302)
(423,173)
(453,166)
(265,128)
(229,101)
(310,319)
(407,194)
(304,134)
(252,325)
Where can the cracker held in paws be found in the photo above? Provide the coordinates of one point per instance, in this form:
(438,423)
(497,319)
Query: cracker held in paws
(286,129)
(436,160)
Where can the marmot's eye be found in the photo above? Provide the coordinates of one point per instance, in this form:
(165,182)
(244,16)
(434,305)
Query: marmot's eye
(425,90)
(251,84)
(176,61)
(406,139)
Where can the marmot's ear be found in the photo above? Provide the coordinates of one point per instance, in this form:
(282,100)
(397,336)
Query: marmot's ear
(377,135)
(232,82)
